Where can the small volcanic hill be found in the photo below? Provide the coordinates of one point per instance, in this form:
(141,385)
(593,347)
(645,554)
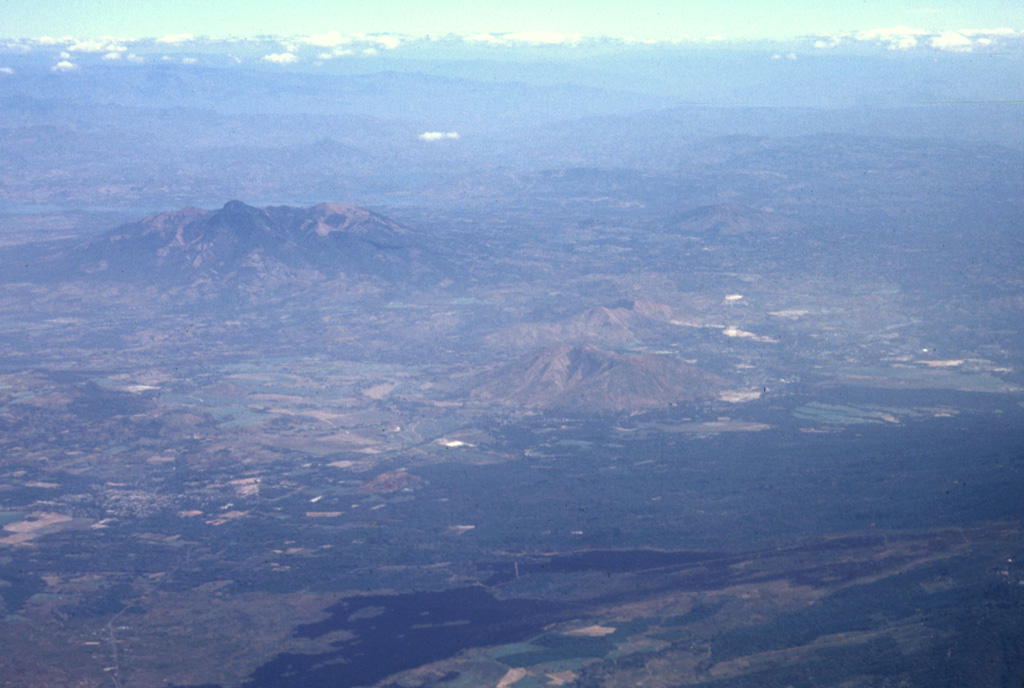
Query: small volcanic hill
(239,241)
(730,219)
(614,325)
(599,325)
(391,481)
(589,379)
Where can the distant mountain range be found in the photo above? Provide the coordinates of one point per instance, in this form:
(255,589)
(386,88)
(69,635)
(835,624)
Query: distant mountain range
(240,242)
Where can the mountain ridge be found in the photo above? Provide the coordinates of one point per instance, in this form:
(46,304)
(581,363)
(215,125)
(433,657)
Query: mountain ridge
(240,242)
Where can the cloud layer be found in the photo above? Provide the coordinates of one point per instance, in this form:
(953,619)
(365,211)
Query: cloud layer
(281,58)
(439,136)
(910,38)
(318,48)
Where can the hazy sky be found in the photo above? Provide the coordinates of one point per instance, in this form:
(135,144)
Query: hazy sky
(656,19)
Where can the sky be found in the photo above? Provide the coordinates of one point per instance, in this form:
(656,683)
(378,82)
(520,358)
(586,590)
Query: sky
(640,19)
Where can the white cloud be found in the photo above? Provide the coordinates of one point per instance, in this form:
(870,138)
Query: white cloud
(334,39)
(328,39)
(789,56)
(6,70)
(176,38)
(961,40)
(65,55)
(136,59)
(989,32)
(387,42)
(188,60)
(64,66)
(827,41)
(87,47)
(544,37)
(281,58)
(489,38)
(50,40)
(895,38)
(523,37)
(370,52)
(337,52)
(439,136)
(953,41)
(889,34)
(112,56)
(909,38)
